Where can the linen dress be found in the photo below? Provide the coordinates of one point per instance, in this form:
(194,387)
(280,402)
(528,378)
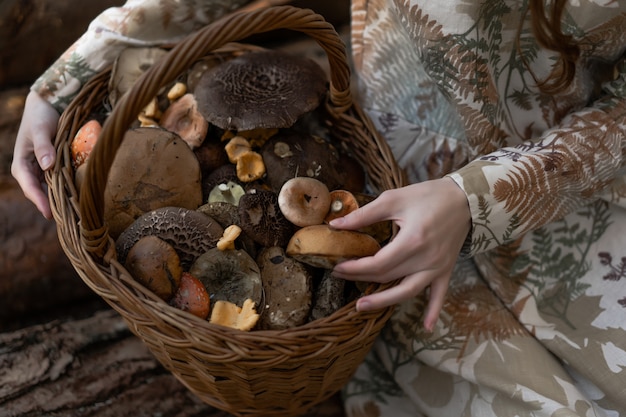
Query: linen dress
(535,318)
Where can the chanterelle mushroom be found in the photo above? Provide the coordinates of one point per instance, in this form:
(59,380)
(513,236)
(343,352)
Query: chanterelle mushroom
(265,89)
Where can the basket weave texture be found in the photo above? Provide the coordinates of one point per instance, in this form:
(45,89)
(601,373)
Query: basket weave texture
(261,372)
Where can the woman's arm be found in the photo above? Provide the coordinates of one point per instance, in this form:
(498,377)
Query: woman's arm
(518,189)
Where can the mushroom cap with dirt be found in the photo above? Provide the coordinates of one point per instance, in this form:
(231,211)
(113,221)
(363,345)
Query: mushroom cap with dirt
(288,287)
(152,168)
(261,89)
(229,275)
(261,219)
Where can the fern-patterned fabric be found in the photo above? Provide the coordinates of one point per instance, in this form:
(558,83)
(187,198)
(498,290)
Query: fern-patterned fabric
(535,318)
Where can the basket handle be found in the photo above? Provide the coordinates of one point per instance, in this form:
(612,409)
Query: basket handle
(234,27)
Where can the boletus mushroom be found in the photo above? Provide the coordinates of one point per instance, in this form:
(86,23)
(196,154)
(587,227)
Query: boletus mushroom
(287,284)
(323,247)
(155,264)
(190,232)
(152,168)
(261,89)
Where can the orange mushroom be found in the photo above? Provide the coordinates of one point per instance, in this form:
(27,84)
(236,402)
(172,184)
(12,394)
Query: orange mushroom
(342,202)
(84,141)
(191,296)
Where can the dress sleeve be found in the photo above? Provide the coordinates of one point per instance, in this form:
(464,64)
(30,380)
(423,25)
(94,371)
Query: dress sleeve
(141,23)
(518,189)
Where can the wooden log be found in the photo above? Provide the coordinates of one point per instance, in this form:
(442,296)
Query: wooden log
(35,274)
(95,367)
(33,33)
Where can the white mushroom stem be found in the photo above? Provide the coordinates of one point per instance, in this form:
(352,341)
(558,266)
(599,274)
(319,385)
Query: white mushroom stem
(336,206)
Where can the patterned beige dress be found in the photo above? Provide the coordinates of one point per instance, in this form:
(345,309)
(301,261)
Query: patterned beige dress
(535,320)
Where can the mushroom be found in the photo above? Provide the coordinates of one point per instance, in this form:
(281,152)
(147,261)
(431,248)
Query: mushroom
(292,154)
(226,215)
(229,275)
(261,218)
(222,175)
(342,202)
(130,64)
(353,177)
(261,89)
(287,285)
(226,192)
(182,117)
(231,315)
(155,264)
(84,141)
(227,241)
(329,296)
(235,147)
(304,201)
(152,168)
(190,232)
(323,247)
(176,91)
(191,296)
(250,166)
(211,155)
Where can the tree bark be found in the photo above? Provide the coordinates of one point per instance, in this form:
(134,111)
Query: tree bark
(95,367)
(35,274)
(33,33)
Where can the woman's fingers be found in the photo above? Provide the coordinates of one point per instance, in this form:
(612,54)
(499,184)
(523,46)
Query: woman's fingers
(33,151)
(376,211)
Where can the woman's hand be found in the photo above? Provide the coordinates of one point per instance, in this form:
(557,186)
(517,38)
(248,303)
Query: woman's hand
(33,151)
(434,220)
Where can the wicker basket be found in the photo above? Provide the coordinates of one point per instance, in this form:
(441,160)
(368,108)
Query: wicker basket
(265,373)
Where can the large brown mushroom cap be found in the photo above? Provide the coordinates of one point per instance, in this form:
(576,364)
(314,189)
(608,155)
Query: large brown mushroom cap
(264,89)
(323,247)
(152,168)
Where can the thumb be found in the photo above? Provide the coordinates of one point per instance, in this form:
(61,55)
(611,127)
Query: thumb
(363,216)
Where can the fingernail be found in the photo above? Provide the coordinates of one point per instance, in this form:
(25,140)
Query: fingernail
(363,305)
(336,222)
(46,160)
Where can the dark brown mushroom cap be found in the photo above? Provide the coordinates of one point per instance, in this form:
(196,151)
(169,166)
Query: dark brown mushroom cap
(261,218)
(292,154)
(152,168)
(263,89)
(229,275)
(190,232)
(288,287)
